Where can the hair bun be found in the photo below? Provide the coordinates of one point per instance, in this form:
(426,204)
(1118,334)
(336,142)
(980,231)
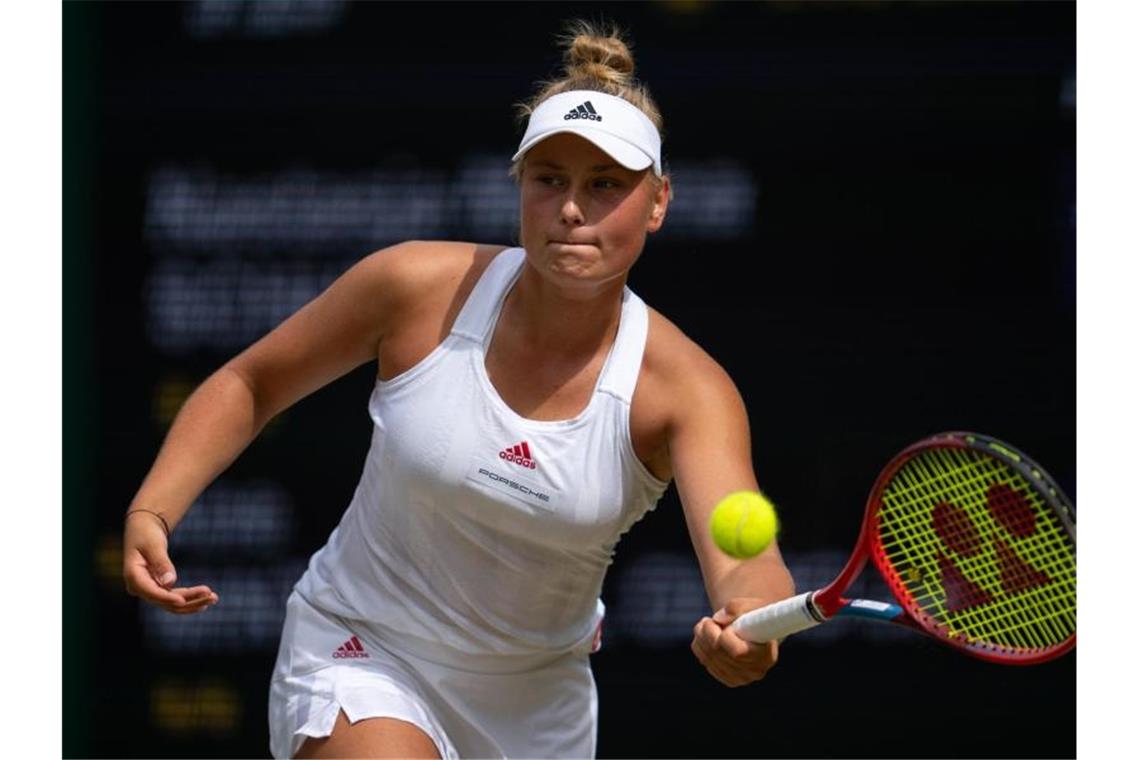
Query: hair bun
(596,57)
(591,54)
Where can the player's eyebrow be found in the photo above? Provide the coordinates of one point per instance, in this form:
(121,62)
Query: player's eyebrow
(559,167)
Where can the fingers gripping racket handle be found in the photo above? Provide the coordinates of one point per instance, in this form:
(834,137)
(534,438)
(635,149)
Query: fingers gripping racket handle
(777,620)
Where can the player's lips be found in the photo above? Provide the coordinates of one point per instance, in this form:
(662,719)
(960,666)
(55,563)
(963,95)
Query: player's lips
(571,242)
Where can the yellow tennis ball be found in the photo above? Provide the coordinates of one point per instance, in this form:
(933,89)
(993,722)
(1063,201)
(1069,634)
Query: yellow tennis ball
(743,524)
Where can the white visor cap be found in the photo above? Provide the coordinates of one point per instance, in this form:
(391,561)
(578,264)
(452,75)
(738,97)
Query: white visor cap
(613,124)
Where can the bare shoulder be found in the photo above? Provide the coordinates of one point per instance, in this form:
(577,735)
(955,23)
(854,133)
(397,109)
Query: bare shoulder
(676,367)
(427,260)
(423,284)
(679,380)
(394,301)
(419,269)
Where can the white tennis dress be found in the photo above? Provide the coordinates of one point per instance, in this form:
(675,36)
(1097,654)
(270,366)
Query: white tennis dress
(460,591)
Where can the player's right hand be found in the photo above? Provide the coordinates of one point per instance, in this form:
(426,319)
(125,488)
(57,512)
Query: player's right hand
(150,575)
(729,658)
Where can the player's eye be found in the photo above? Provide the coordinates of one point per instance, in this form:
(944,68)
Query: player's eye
(605,183)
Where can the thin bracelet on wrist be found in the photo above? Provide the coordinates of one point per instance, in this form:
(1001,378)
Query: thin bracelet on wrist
(165,525)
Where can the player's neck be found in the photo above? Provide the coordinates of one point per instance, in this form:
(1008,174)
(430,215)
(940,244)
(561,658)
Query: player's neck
(545,317)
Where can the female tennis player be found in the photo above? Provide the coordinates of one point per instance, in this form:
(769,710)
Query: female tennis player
(528,410)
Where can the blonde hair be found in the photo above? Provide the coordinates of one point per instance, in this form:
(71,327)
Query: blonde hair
(596,57)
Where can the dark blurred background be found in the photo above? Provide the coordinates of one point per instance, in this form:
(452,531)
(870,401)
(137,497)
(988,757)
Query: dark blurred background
(873,231)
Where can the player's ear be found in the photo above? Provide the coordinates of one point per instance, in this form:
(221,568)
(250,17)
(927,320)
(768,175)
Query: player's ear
(660,204)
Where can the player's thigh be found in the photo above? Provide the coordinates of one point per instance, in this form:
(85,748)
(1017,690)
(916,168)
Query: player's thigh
(371,737)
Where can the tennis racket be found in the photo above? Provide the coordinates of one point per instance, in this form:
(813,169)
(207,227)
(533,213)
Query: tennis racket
(975,541)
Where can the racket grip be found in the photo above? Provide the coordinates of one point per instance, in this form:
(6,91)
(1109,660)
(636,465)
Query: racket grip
(777,620)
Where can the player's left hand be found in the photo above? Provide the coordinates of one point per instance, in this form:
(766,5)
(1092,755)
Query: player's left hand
(730,659)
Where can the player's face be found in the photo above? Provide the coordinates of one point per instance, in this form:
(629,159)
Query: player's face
(584,216)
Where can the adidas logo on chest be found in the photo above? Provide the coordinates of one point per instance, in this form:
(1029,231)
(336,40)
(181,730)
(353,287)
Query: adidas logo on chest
(519,454)
(351,649)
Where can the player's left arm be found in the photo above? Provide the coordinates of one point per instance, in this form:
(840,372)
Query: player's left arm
(710,453)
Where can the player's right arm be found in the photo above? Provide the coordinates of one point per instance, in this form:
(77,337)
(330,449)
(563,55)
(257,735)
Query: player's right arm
(333,334)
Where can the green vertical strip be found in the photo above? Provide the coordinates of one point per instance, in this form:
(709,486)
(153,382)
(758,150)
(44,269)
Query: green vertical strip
(79,402)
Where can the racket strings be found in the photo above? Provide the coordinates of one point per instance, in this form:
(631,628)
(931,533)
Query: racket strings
(979,550)
(1026,571)
(972,600)
(1042,546)
(926,486)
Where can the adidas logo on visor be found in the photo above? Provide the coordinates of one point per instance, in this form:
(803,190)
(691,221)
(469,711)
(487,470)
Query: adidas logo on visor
(627,134)
(584,111)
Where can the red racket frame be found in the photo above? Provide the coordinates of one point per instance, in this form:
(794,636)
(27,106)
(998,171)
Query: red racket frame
(829,600)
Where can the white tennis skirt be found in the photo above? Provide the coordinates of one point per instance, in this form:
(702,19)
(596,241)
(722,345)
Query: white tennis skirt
(470,707)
